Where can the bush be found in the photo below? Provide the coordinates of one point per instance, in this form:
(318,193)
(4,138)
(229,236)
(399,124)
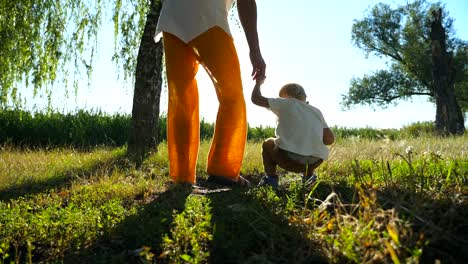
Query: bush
(419,129)
(365,133)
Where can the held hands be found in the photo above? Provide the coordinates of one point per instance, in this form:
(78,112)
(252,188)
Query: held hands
(260,80)
(257,97)
(258,64)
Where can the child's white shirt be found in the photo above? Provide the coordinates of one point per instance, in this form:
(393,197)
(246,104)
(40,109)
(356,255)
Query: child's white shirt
(300,127)
(187,19)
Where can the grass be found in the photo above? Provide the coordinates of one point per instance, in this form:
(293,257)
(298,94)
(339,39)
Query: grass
(377,201)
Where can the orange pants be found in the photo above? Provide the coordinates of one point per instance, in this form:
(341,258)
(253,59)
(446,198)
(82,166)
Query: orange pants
(215,50)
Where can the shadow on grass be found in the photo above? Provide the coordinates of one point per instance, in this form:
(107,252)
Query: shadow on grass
(144,229)
(244,231)
(63,179)
(248,229)
(441,222)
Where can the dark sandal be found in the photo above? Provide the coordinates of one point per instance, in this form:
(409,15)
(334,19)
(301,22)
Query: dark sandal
(269,181)
(242,182)
(309,180)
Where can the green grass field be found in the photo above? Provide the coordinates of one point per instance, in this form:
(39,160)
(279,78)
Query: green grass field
(377,201)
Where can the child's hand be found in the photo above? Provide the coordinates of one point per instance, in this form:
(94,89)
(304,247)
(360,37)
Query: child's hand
(260,80)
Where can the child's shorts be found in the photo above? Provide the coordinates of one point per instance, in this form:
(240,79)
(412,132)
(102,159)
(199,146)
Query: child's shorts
(300,158)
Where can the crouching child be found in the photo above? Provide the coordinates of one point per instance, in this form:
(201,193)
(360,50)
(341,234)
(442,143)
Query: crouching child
(301,134)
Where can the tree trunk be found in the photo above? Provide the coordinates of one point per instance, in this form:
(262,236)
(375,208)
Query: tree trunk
(449,117)
(143,135)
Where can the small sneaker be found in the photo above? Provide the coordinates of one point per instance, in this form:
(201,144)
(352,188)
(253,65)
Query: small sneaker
(309,180)
(269,181)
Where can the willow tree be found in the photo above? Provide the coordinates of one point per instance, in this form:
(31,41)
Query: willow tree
(38,41)
(50,42)
(424,57)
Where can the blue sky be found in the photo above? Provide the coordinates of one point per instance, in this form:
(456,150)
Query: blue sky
(302,41)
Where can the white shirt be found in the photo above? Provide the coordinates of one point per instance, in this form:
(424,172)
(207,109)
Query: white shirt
(300,127)
(187,19)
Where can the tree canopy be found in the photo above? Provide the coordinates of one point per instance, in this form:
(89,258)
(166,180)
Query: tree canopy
(401,35)
(50,41)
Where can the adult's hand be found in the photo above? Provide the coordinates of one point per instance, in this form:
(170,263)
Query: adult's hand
(258,65)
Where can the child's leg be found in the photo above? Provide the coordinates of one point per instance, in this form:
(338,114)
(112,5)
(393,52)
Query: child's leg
(310,168)
(274,156)
(309,176)
(268,155)
(182,116)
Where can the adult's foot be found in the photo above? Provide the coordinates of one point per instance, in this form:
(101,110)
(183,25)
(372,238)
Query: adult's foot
(241,182)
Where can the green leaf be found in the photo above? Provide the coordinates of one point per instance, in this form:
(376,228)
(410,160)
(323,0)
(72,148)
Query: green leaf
(186,257)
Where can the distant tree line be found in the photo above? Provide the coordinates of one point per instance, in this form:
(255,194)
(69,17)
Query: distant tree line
(85,129)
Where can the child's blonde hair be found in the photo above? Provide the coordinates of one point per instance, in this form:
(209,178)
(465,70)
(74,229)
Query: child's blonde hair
(293,90)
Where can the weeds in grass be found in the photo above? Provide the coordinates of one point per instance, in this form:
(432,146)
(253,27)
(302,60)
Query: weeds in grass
(191,234)
(361,232)
(374,202)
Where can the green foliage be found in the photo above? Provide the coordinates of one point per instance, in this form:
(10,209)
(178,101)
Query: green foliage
(383,88)
(419,129)
(39,39)
(260,133)
(342,133)
(84,129)
(461,61)
(191,233)
(129,17)
(414,130)
(81,129)
(43,41)
(92,128)
(56,222)
(401,35)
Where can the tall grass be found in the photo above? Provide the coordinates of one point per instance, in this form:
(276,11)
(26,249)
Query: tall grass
(377,201)
(397,197)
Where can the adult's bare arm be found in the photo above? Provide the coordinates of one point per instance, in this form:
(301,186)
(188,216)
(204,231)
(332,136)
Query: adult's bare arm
(248,16)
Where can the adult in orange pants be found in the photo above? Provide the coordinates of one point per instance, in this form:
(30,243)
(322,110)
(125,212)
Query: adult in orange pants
(197,32)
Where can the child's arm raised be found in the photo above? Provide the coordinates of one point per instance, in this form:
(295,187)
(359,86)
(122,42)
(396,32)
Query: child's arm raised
(257,97)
